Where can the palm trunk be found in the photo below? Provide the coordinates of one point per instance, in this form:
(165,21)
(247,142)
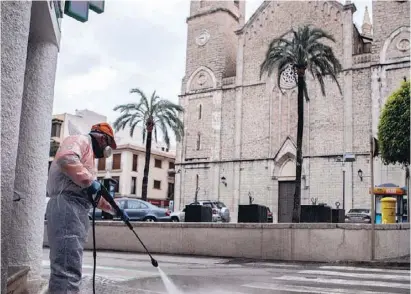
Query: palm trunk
(146,166)
(299,159)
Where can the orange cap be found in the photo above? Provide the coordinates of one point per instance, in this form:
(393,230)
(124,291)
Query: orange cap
(105,128)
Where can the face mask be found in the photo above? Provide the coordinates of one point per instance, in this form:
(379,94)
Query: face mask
(107,152)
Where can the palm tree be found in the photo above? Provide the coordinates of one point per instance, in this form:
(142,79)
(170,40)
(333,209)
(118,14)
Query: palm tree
(156,115)
(303,52)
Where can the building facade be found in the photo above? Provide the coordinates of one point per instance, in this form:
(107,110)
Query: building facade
(240,130)
(66,124)
(126,166)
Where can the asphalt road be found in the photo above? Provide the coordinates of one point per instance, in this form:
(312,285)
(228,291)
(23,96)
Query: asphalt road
(133,273)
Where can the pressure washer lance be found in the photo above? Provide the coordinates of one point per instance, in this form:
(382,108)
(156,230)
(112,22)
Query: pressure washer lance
(124,217)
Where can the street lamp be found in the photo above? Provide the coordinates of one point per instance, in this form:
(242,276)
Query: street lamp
(224,182)
(360,174)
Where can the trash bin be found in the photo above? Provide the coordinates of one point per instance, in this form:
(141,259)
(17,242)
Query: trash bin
(388,210)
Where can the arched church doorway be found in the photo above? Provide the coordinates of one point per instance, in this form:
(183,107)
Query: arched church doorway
(286,189)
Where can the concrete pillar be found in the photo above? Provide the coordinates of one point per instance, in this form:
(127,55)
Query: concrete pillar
(15,27)
(33,155)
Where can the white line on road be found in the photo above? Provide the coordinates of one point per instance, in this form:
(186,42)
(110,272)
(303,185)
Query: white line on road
(365,269)
(306,289)
(344,282)
(356,275)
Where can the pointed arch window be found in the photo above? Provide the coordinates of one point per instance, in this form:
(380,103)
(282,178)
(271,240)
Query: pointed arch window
(197,181)
(200,110)
(198,141)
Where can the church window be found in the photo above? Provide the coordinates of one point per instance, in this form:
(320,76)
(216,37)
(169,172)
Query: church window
(197,180)
(200,109)
(198,141)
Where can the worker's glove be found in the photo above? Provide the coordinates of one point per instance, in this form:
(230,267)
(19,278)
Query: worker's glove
(93,191)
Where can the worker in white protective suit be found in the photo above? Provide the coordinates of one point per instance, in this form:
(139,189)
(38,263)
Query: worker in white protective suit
(71,186)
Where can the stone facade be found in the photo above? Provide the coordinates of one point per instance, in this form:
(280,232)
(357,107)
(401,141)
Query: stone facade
(243,128)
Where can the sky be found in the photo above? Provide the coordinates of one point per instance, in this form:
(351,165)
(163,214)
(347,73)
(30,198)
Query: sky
(134,43)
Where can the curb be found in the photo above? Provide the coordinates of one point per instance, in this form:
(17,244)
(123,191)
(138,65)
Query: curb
(390,264)
(372,264)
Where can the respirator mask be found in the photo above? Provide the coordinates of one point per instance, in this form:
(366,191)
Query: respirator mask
(107,152)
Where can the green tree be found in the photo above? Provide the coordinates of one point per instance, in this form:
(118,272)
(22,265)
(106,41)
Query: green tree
(303,52)
(154,114)
(394,127)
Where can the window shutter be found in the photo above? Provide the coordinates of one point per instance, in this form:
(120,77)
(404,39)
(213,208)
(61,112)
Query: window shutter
(116,161)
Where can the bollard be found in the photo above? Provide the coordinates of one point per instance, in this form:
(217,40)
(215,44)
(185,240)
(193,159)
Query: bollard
(388,210)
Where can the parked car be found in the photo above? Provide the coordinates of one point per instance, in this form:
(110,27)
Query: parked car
(269,215)
(218,208)
(358,215)
(137,210)
(179,216)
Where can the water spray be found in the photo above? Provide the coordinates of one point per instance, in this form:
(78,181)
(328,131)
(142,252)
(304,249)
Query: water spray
(108,195)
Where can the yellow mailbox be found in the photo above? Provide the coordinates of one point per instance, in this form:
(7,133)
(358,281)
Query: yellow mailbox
(388,210)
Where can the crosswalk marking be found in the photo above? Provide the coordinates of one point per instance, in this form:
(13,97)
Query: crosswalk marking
(344,282)
(307,289)
(356,275)
(330,279)
(364,269)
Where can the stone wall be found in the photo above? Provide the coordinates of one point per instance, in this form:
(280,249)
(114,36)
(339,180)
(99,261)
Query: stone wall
(294,242)
(388,16)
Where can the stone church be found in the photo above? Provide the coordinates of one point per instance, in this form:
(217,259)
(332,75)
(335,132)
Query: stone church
(240,130)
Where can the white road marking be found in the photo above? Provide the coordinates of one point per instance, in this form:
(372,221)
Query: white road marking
(344,282)
(356,275)
(307,289)
(365,269)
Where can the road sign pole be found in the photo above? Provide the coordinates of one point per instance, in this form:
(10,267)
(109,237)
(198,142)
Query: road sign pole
(372,198)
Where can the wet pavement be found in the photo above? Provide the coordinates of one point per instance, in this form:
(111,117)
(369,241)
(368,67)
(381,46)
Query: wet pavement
(133,273)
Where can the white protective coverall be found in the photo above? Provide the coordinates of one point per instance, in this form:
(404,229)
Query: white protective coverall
(71,172)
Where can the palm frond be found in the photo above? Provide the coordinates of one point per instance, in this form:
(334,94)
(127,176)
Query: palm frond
(143,97)
(165,115)
(304,51)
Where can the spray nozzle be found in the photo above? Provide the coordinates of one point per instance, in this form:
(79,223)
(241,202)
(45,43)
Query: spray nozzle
(154,262)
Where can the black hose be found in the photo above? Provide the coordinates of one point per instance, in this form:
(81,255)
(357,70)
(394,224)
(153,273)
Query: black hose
(94,249)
